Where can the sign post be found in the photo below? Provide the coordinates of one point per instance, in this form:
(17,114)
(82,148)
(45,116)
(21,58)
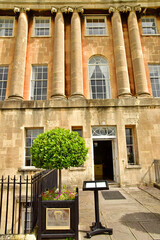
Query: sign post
(95,186)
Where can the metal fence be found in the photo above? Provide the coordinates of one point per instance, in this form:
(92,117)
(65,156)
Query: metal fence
(157,170)
(40,183)
(19,201)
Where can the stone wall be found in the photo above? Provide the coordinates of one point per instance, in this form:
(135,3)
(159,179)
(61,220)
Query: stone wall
(15,117)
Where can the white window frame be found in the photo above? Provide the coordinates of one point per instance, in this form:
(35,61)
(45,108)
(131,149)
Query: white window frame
(96,17)
(8,18)
(3,81)
(27,146)
(107,80)
(34,26)
(156,28)
(32,96)
(132,145)
(155,79)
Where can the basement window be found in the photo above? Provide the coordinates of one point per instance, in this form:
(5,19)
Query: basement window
(3,81)
(31,134)
(130,144)
(79,130)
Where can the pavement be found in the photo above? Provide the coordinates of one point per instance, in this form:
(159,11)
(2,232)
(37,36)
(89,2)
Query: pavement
(137,216)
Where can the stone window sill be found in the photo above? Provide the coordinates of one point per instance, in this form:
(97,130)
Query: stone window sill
(7,36)
(106,35)
(77,169)
(29,169)
(150,35)
(133,166)
(34,36)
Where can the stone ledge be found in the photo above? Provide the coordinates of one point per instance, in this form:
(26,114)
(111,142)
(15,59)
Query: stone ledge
(29,169)
(133,167)
(150,35)
(77,169)
(81,103)
(18,237)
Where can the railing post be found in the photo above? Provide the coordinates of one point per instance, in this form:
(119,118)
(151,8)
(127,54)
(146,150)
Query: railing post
(20,183)
(39,217)
(13,206)
(1,201)
(7,206)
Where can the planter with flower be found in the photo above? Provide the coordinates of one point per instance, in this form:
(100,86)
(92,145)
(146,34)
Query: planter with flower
(58,209)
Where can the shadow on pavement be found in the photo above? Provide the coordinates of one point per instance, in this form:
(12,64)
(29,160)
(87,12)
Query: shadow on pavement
(149,222)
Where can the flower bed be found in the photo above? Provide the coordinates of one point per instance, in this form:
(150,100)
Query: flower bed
(53,195)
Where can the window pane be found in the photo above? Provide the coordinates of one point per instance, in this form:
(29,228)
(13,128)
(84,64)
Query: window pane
(130,146)
(39,82)
(154,71)
(95,26)
(3,82)
(6,27)
(42,27)
(31,134)
(99,78)
(149,26)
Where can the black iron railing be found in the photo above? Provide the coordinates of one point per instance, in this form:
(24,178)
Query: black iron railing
(19,200)
(157,170)
(40,183)
(12,190)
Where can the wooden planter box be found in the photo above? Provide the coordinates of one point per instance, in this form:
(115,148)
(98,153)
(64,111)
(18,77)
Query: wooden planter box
(58,219)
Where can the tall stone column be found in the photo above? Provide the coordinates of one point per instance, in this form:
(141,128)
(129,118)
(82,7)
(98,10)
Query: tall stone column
(58,83)
(18,74)
(137,56)
(120,55)
(76,56)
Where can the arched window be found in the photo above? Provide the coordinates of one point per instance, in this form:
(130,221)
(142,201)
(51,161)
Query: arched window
(99,78)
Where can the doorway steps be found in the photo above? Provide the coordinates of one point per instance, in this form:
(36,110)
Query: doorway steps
(113,184)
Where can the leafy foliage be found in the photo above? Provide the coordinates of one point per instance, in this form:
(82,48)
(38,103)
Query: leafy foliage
(57,149)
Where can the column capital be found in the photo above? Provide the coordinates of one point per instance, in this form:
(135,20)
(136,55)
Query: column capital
(75,9)
(53,10)
(21,9)
(125,8)
(62,9)
(67,9)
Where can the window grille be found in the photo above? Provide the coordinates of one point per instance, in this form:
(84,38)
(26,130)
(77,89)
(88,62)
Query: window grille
(149,26)
(31,134)
(42,27)
(103,132)
(39,82)
(99,78)
(6,27)
(154,71)
(96,26)
(3,82)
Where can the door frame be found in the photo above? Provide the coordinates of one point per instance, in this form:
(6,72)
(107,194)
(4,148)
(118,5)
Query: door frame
(113,139)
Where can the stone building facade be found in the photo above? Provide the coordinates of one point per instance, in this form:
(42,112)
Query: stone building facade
(88,66)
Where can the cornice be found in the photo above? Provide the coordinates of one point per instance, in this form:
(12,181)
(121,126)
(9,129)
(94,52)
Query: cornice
(87,4)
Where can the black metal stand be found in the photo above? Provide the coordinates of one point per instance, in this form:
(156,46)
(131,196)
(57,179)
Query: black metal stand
(97,227)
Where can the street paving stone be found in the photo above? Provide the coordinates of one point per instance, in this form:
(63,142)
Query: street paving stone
(135,218)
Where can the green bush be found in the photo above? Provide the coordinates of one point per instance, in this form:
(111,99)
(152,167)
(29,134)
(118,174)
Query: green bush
(57,149)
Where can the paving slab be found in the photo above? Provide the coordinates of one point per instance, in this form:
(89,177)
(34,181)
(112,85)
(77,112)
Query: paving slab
(135,217)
